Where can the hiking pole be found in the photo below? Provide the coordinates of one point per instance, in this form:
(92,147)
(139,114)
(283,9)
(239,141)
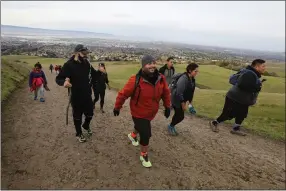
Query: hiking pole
(67,113)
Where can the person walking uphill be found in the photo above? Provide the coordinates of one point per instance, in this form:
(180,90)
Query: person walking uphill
(38,82)
(77,74)
(51,68)
(182,91)
(99,86)
(146,89)
(168,70)
(244,92)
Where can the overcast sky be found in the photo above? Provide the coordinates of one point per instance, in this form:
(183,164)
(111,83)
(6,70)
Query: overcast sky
(241,24)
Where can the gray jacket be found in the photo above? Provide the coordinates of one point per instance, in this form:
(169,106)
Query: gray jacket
(184,90)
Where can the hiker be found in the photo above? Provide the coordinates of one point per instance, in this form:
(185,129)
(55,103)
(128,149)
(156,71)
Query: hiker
(100,85)
(59,68)
(182,91)
(56,69)
(244,92)
(168,70)
(51,68)
(144,105)
(77,74)
(38,82)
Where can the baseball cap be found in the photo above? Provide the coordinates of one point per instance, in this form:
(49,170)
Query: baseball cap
(80,48)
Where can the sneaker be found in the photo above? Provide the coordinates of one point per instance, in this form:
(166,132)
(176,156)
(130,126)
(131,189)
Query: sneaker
(81,138)
(35,98)
(172,130)
(214,127)
(42,100)
(102,111)
(88,130)
(145,161)
(238,132)
(133,140)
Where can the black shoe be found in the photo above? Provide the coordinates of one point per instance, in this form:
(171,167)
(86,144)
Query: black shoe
(81,138)
(87,129)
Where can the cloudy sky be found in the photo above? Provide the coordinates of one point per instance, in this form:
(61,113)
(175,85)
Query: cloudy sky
(241,24)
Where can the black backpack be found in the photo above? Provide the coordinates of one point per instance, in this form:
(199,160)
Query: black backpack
(175,78)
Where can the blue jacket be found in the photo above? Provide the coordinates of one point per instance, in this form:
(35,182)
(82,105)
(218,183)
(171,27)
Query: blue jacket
(35,74)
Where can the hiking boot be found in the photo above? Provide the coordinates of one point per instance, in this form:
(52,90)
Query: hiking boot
(213,127)
(238,132)
(145,161)
(172,130)
(81,138)
(42,99)
(133,140)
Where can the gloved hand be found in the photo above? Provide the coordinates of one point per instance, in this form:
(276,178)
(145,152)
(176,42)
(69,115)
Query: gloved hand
(116,112)
(192,109)
(167,112)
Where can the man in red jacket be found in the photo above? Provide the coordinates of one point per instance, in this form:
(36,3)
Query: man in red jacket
(146,89)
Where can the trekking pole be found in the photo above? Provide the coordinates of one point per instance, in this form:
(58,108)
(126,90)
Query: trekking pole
(67,113)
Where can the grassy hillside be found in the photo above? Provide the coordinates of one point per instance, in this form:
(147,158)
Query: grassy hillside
(12,73)
(267,117)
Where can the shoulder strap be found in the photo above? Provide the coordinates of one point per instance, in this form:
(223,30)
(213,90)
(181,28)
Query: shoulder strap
(137,79)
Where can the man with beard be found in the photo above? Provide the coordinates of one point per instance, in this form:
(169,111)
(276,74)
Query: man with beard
(244,92)
(77,74)
(168,70)
(146,89)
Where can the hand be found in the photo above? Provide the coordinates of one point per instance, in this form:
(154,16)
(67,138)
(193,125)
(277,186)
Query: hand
(183,106)
(67,83)
(167,112)
(192,109)
(263,80)
(47,88)
(116,112)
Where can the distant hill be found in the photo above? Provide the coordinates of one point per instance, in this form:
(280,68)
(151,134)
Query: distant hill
(10,30)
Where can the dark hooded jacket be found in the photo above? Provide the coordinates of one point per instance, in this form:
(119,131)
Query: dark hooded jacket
(247,88)
(81,73)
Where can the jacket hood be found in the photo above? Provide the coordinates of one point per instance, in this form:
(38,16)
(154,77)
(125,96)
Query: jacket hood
(255,71)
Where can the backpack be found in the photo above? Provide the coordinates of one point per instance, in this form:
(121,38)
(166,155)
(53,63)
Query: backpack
(233,79)
(175,78)
(137,80)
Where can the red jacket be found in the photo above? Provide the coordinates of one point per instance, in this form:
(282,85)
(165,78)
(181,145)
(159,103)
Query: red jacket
(145,101)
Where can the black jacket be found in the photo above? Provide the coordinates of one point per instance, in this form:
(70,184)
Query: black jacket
(163,68)
(99,84)
(81,73)
(247,88)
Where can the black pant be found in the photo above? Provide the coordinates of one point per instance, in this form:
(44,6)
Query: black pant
(143,126)
(178,116)
(78,111)
(51,70)
(97,94)
(232,110)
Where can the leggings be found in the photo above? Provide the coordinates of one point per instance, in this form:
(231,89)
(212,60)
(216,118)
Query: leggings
(143,127)
(178,116)
(98,94)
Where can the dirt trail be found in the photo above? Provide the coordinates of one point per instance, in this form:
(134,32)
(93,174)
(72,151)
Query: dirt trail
(40,152)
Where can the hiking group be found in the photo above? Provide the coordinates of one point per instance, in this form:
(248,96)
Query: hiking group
(146,89)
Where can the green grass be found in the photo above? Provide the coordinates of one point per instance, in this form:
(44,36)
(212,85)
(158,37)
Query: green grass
(12,73)
(266,118)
